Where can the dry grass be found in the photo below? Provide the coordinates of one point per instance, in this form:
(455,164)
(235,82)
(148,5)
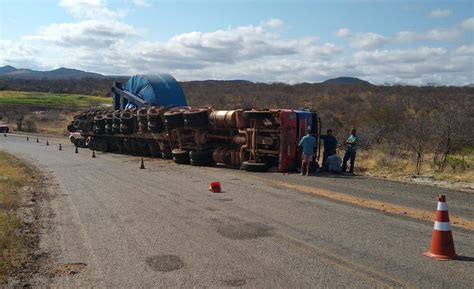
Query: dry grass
(13,244)
(55,124)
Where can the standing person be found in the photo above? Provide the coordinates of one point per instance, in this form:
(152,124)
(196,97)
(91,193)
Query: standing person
(308,142)
(330,144)
(351,147)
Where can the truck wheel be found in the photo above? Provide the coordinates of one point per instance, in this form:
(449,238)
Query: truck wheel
(155,126)
(76,123)
(255,114)
(201,158)
(103,146)
(166,155)
(174,117)
(153,114)
(201,163)
(251,166)
(70,128)
(154,148)
(196,117)
(180,156)
(88,125)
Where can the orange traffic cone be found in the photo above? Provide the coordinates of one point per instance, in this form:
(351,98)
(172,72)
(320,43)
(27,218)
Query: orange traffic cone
(215,187)
(142,165)
(442,244)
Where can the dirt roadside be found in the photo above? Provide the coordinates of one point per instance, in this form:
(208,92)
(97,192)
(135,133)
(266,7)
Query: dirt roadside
(22,193)
(35,209)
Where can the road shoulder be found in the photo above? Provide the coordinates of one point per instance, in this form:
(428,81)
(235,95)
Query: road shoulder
(59,255)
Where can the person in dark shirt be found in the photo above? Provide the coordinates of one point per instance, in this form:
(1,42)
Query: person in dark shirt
(330,145)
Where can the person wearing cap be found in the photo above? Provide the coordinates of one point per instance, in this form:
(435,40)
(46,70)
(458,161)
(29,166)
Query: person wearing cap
(307,143)
(351,148)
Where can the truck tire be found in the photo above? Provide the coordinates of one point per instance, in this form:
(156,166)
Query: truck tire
(196,117)
(174,117)
(70,128)
(99,119)
(154,148)
(256,114)
(251,166)
(201,158)
(180,156)
(155,126)
(103,146)
(88,126)
(76,123)
(200,163)
(153,114)
(167,155)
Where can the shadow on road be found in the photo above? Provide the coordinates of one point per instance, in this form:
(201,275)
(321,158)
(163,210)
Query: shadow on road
(466,259)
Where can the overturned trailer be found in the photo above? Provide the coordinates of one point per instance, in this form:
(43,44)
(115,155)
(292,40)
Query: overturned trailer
(150,117)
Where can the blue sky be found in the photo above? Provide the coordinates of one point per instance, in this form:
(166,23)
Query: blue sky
(416,42)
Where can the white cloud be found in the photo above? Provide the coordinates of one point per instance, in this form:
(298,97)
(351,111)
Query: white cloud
(86,33)
(141,3)
(344,32)
(450,34)
(465,50)
(367,40)
(444,34)
(89,9)
(468,24)
(440,13)
(410,56)
(273,23)
(362,40)
(20,54)
(406,36)
(416,66)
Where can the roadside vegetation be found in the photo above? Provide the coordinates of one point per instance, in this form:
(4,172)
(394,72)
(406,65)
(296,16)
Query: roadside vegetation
(14,176)
(46,113)
(51,99)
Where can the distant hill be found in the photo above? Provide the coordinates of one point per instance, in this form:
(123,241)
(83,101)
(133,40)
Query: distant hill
(60,73)
(7,69)
(346,80)
(219,82)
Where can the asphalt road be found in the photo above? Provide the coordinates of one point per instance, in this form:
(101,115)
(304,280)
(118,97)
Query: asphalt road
(161,227)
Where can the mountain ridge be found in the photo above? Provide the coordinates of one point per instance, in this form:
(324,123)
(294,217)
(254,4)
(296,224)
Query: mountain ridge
(59,73)
(71,73)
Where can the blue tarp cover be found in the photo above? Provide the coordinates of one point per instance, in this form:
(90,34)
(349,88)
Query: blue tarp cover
(162,90)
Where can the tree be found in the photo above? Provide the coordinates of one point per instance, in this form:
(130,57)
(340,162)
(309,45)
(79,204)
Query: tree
(417,135)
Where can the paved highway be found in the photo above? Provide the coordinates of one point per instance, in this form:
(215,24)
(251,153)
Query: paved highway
(161,227)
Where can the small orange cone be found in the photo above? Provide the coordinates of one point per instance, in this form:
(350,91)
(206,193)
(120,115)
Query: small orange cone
(142,165)
(60,147)
(442,244)
(27,138)
(77,151)
(47,142)
(93,154)
(37,140)
(215,187)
